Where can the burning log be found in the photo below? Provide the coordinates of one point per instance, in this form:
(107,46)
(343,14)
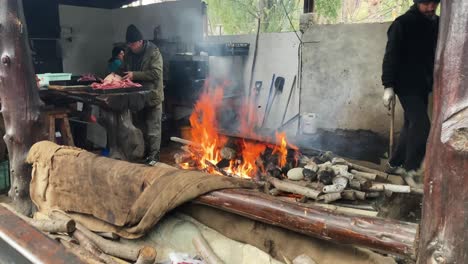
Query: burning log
(376,233)
(204,249)
(293,188)
(214,167)
(182,158)
(228,153)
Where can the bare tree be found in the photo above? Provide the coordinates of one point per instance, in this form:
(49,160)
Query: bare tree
(20,99)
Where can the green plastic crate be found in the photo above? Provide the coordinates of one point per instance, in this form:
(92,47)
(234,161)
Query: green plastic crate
(4,176)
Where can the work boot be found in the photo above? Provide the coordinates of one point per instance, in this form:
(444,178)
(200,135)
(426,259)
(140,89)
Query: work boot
(151,161)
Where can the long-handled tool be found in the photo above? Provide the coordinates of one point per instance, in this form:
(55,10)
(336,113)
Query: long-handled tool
(289,100)
(269,97)
(392,126)
(279,85)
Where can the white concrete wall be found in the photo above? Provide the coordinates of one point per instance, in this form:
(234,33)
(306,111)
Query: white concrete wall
(95,30)
(342,68)
(277,54)
(341,71)
(91,39)
(178,19)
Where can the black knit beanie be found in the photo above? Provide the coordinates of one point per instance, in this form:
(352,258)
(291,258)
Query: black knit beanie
(425,1)
(133,34)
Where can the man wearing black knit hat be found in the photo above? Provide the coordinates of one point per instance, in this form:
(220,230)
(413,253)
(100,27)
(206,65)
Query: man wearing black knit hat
(408,67)
(143,63)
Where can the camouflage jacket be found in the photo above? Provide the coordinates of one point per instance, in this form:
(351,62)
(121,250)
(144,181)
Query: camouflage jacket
(149,72)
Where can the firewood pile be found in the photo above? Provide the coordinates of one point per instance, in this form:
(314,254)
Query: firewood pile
(323,178)
(326,179)
(89,246)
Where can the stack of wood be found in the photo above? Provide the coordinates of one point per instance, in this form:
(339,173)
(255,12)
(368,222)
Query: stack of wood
(324,177)
(327,179)
(89,246)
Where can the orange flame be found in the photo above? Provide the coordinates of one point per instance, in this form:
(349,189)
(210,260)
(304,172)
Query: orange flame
(205,128)
(205,133)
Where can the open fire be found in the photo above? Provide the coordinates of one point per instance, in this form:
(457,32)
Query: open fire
(323,177)
(219,154)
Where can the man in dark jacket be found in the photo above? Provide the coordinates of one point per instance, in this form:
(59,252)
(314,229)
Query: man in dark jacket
(408,67)
(143,63)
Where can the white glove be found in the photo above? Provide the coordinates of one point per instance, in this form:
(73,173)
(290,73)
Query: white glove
(388,96)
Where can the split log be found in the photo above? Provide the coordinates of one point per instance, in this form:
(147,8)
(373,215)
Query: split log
(185,142)
(89,245)
(359,195)
(349,195)
(274,192)
(360,184)
(109,235)
(49,226)
(292,188)
(204,249)
(347,210)
(382,187)
(147,256)
(445,211)
(107,246)
(58,238)
(54,226)
(415,188)
(329,197)
(81,253)
(20,100)
(373,194)
(365,175)
(376,233)
(380,174)
(358,206)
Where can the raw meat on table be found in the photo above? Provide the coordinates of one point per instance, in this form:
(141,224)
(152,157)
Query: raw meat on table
(88,78)
(114,81)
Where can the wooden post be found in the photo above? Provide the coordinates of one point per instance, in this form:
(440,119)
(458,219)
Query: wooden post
(445,206)
(20,99)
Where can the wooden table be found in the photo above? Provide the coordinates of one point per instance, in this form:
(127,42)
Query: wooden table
(125,141)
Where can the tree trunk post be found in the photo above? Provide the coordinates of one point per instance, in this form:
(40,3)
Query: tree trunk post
(20,99)
(443,236)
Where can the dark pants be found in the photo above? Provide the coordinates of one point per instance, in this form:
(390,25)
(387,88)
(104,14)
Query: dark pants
(149,121)
(411,146)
